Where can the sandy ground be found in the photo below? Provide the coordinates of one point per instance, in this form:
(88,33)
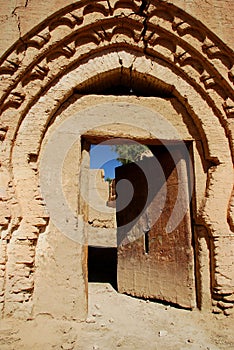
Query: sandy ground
(117,321)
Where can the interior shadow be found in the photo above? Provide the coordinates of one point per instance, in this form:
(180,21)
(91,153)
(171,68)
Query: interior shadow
(102,265)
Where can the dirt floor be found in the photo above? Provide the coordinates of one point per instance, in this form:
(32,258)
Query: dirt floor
(118,321)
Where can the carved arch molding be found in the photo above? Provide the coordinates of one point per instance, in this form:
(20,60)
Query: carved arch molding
(158,43)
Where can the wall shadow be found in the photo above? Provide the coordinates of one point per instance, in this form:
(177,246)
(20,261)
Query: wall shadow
(102,265)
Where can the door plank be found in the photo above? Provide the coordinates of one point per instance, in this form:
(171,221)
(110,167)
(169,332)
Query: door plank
(161,264)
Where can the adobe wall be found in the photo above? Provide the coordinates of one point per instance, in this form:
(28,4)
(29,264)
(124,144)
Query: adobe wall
(101,228)
(53,75)
(100,215)
(20,16)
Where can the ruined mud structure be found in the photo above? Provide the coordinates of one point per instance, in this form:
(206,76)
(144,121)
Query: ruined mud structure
(76,73)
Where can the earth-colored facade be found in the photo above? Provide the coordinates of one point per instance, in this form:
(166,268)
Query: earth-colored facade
(59,63)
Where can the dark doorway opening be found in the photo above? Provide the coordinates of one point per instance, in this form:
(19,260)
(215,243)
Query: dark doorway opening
(102,265)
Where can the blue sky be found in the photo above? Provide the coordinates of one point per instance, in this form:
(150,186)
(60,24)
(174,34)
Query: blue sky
(103,157)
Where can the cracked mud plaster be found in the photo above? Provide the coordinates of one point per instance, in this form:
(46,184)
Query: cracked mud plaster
(16,14)
(3,18)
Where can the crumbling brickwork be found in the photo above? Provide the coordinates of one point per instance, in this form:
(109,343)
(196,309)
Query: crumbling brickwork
(57,59)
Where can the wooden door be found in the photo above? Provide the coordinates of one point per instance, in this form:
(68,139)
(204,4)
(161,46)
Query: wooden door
(155,259)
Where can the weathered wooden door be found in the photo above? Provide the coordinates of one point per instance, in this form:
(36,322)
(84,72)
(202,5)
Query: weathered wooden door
(155,254)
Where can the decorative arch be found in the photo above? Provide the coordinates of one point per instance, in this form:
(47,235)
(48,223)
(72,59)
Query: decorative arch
(79,49)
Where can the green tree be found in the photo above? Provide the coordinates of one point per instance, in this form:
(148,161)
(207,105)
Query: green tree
(129,153)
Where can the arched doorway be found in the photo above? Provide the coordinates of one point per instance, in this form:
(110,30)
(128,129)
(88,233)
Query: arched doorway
(57,70)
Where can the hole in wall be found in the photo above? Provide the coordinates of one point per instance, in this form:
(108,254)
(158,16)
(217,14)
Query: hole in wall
(102,265)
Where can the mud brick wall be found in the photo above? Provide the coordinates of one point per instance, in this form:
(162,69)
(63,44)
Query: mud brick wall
(57,58)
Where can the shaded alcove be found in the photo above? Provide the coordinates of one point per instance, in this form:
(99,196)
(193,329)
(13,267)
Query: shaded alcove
(102,265)
(120,82)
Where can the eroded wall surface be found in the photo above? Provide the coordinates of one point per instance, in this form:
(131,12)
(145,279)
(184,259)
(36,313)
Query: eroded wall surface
(179,54)
(20,16)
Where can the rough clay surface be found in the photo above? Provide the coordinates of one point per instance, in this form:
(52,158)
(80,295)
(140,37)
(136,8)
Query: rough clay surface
(57,71)
(117,321)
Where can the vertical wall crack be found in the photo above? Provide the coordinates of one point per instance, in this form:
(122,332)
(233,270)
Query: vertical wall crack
(143,11)
(110,8)
(14,13)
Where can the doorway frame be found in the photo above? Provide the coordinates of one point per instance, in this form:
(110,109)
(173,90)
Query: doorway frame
(92,137)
